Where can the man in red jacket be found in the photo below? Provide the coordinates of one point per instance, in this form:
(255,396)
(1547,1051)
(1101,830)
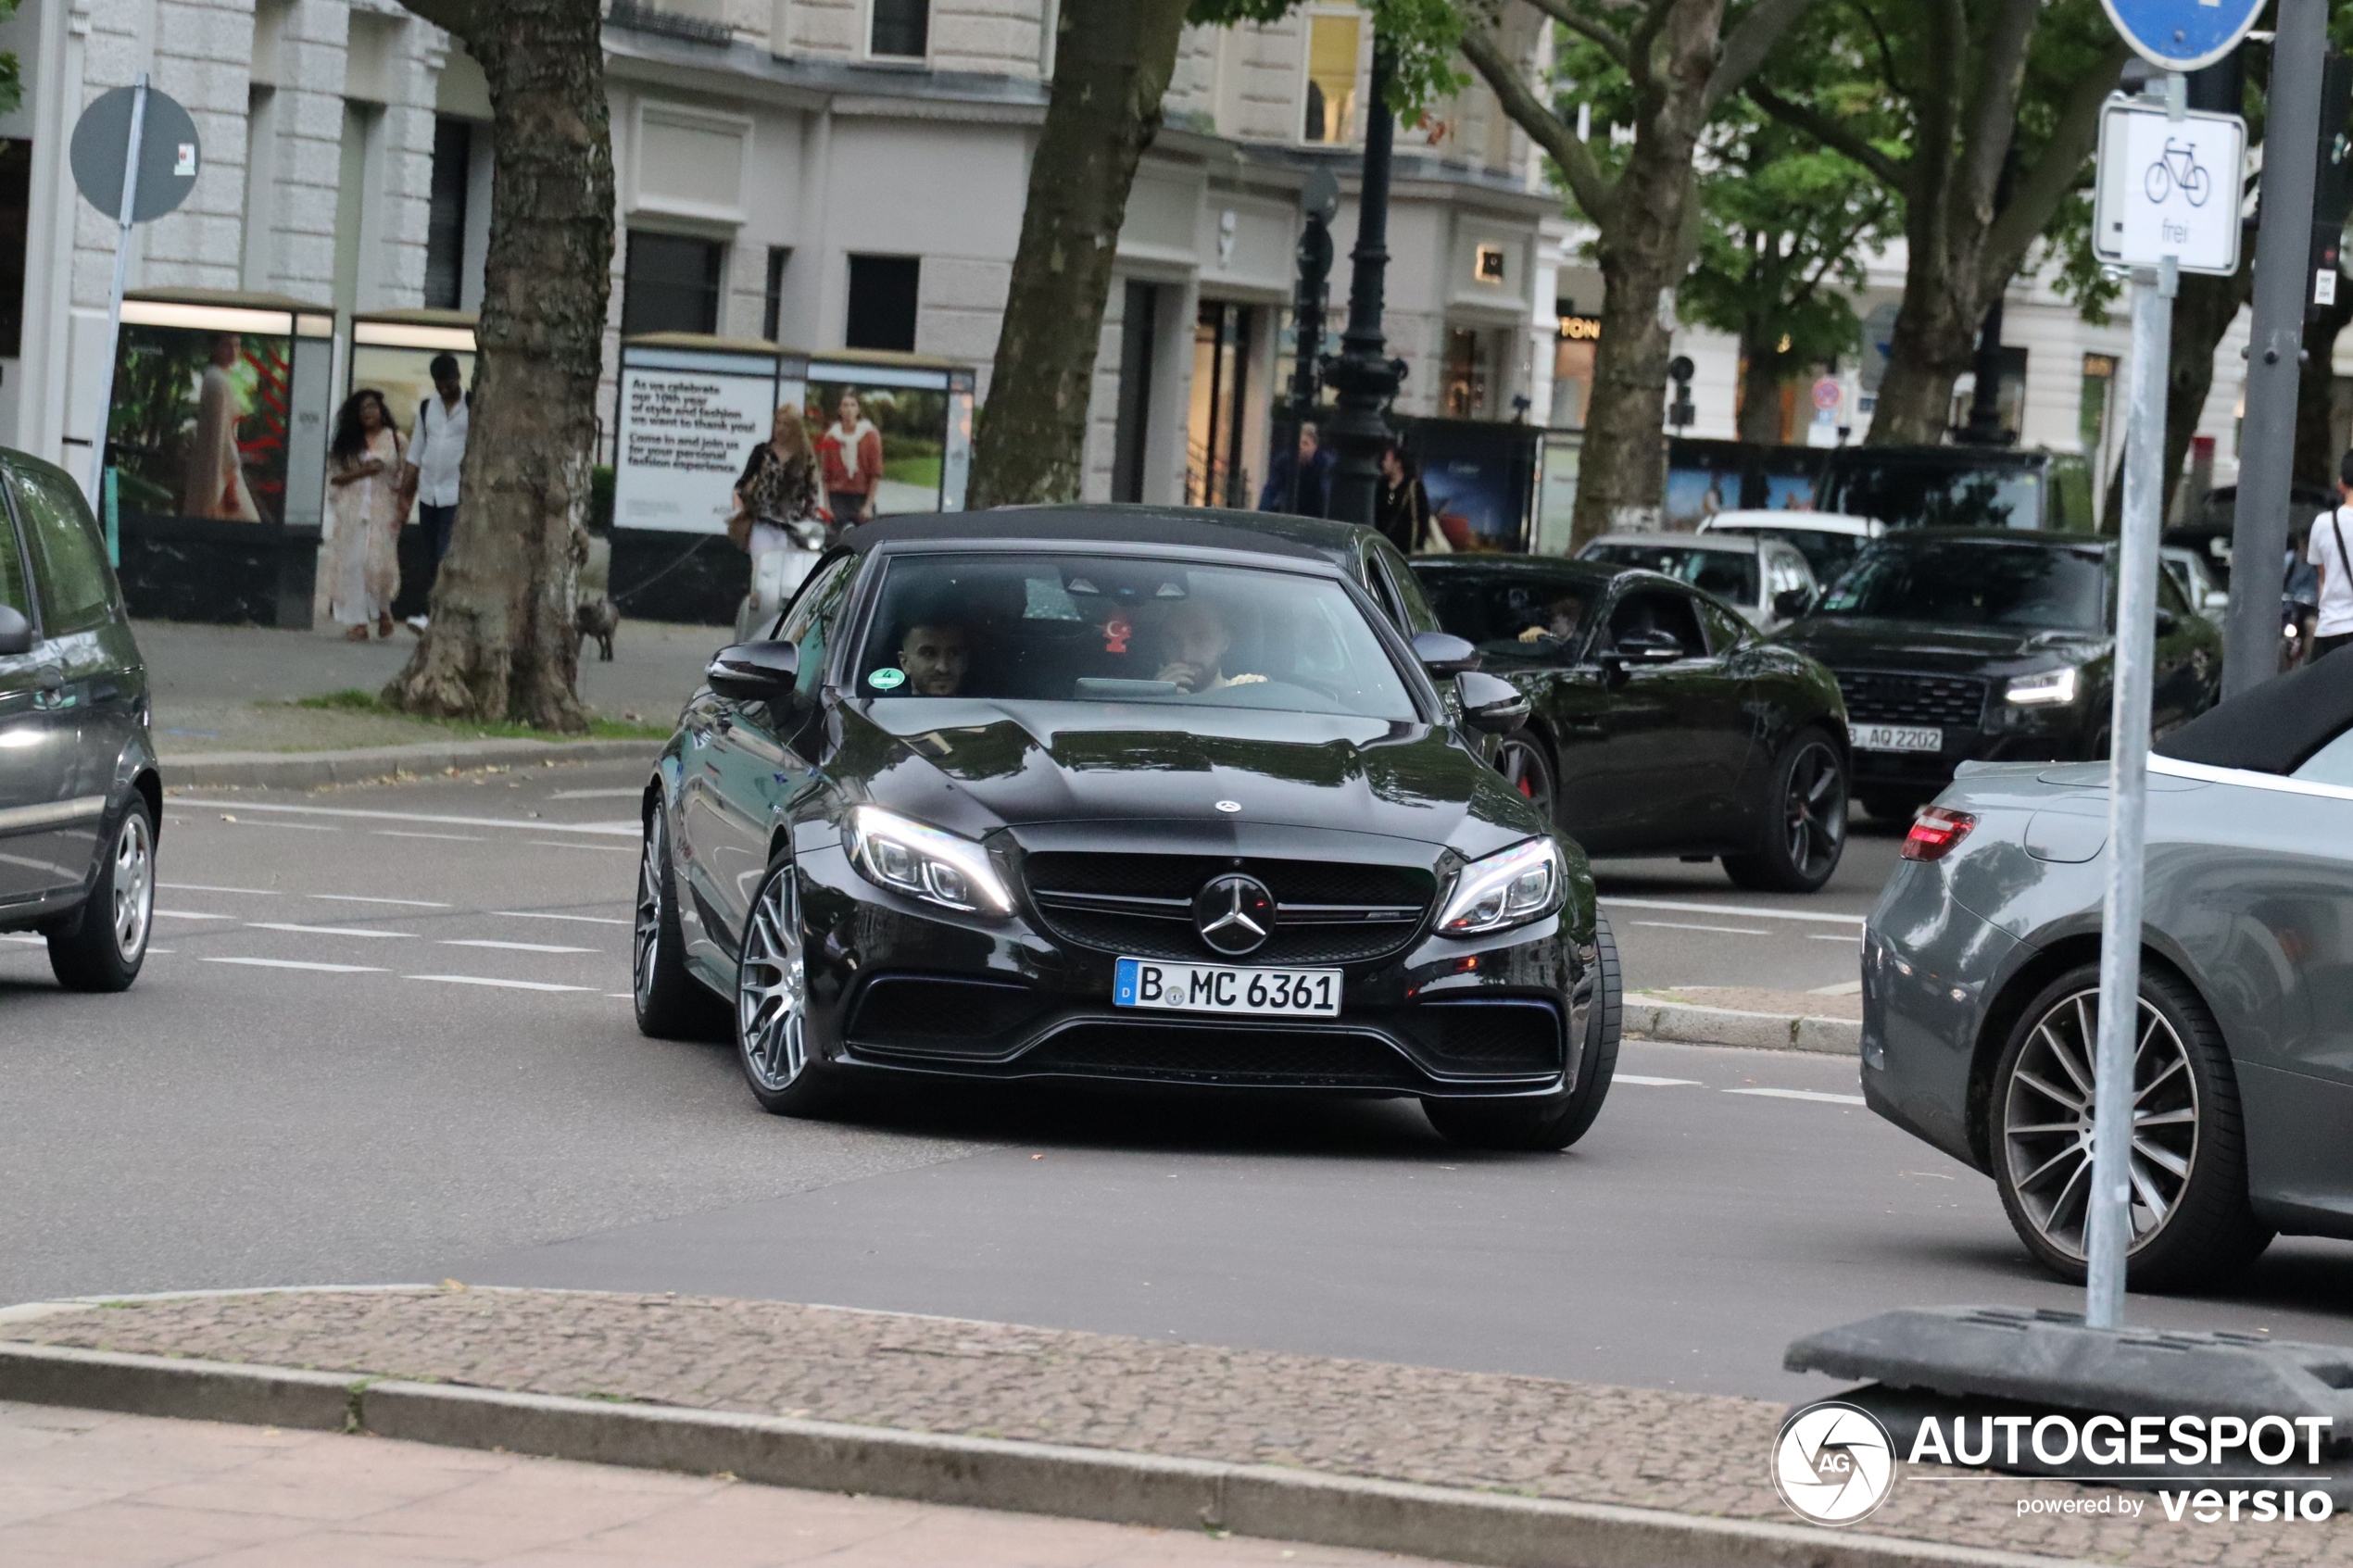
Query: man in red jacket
(851,455)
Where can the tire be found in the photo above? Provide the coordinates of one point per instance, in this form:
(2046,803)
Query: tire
(1560,1121)
(772,1004)
(2038,1135)
(105,944)
(1527,766)
(672,1004)
(1805,817)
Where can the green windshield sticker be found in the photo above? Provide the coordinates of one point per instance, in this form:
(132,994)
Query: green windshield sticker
(887,678)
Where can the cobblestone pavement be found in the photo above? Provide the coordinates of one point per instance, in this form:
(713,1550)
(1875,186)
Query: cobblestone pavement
(1644,1447)
(82,1489)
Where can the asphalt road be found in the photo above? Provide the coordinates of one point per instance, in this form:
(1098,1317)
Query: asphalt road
(384,1038)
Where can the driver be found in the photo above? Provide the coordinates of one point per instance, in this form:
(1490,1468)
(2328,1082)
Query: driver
(1196,640)
(936,653)
(1561,622)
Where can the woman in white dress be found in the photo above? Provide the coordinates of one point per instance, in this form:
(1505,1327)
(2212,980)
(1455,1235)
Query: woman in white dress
(364,508)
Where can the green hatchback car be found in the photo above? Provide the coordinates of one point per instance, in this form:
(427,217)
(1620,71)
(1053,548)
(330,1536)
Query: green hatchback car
(81,794)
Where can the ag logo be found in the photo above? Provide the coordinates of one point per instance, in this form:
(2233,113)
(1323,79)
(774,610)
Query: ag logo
(1833,1463)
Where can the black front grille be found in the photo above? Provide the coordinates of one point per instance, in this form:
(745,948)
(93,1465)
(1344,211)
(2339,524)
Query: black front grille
(1224,1054)
(913,1012)
(1142,905)
(1475,1036)
(1886,696)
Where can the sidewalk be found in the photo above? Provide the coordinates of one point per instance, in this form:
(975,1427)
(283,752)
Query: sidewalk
(1647,1457)
(82,1489)
(1827,1022)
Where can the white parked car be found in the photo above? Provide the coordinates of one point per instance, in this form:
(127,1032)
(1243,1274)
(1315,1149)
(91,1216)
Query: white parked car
(2191,574)
(1767,580)
(1828,541)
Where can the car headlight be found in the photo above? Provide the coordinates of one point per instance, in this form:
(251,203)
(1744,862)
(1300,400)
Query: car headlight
(1507,888)
(2053,688)
(923,862)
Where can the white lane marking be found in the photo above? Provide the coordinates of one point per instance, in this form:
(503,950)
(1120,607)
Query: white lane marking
(624,995)
(541,914)
(191,914)
(290,827)
(295,963)
(608,849)
(1844,988)
(452,837)
(208,888)
(364,899)
(153,951)
(510,946)
(323,930)
(31,940)
(1687,925)
(503,984)
(1656,1082)
(1830,936)
(630,829)
(1800,1094)
(1751,911)
(599,794)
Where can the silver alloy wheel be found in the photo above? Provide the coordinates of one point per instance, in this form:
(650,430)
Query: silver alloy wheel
(2047,1122)
(1813,814)
(647,936)
(134,886)
(1523,768)
(771,989)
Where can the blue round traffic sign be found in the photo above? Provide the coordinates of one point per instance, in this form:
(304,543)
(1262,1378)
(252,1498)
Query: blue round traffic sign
(2182,34)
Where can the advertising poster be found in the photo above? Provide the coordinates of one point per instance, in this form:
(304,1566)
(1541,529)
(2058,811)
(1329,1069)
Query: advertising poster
(1699,492)
(881,447)
(198,426)
(403,375)
(688,422)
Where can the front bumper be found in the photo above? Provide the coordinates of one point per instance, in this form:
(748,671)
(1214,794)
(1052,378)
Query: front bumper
(895,985)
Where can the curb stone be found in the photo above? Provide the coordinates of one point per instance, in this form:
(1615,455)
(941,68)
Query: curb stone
(311,770)
(1261,1500)
(1689,1021)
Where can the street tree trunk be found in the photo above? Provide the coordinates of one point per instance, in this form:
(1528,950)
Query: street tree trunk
(502,643)
(1682,64)
(1762,377)
(1113,59)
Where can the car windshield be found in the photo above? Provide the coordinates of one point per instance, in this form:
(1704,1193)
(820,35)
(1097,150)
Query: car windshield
(1904,493)
(1090,628)
(1826,554)
(1728,574)
(1508,614)
(1975,582)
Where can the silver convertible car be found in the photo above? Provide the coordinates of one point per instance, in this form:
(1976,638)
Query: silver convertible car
(1980,984)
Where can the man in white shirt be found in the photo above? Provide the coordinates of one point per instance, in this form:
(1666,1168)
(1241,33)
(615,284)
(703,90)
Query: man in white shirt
(2328,555)
(437,451)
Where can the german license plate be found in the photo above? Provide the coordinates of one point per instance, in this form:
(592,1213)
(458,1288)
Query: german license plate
(1202,987)
(1897,737)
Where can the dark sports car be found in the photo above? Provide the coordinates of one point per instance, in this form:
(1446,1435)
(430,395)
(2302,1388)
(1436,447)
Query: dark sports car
(1980,984)
(1118,794)
(1661,724)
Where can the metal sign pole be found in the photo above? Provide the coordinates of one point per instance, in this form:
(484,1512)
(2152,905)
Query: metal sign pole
(114,301)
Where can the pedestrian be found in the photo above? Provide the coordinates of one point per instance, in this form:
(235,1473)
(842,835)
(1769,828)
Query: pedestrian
(852,455)
(216,483)
(2300,604)
(364,506)
(436,453)
(1401,510)
(2329,557)
(1313,464)
(776,499)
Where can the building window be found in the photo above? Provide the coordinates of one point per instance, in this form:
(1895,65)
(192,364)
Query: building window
(1213,472)
(882,302)
(1573,347)
(453,144)
(15,206)
(1132,420)
(772,308)
(902,27)
(1332,46)
(1463,394)
(670,283)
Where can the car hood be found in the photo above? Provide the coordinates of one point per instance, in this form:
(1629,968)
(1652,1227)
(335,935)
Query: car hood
(1867,642)
(971,765)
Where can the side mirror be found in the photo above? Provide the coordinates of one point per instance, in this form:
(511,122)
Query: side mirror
(755,671)
(16,632)
(1790,603)
(1442,653)
(1491,704)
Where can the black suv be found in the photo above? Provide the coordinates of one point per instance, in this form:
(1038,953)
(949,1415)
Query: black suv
(80,798)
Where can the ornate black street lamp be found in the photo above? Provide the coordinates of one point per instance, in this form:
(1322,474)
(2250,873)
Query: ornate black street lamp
(1365,379)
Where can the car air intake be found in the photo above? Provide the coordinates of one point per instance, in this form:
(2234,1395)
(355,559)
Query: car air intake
(1224,1054)
(1885,697)
(1142,905)
(1492,1036)
(941,1016)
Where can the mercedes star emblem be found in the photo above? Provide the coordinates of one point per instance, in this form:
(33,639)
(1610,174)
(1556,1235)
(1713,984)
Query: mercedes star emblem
(1229,807)
(1233,913)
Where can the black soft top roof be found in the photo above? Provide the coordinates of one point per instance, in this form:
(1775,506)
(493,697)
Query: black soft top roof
(1270,533)
(2276,726)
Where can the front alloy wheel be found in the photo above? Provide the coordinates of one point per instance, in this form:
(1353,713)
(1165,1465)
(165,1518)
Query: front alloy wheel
(1525,768)
(771,1001)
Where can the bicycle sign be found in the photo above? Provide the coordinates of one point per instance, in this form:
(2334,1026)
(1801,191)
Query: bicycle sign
(2168,187)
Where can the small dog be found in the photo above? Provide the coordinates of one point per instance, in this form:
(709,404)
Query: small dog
(598,619)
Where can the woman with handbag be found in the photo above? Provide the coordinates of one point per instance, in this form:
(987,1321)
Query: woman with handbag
(1401,510)
(776,507)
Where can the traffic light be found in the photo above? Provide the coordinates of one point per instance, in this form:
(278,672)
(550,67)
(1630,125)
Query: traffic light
(2333,177)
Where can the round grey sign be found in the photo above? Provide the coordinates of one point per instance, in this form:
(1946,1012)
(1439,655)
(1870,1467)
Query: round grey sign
(169,154)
